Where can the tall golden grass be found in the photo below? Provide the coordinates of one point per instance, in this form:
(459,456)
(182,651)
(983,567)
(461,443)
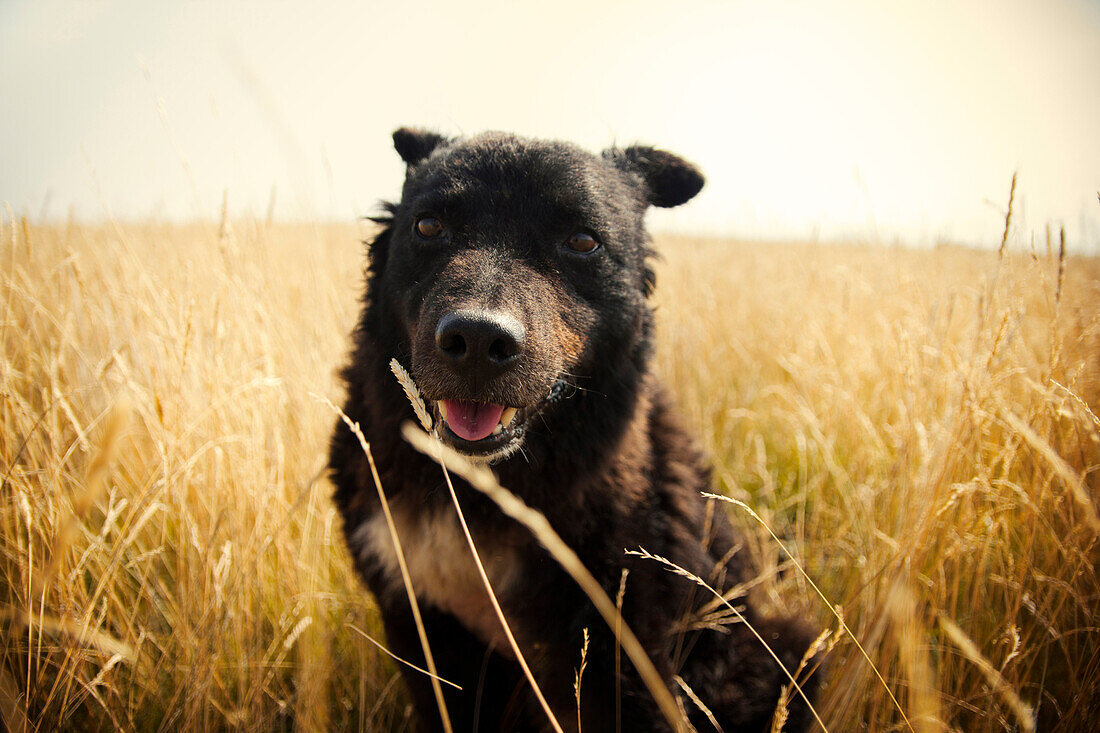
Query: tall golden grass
(918,428)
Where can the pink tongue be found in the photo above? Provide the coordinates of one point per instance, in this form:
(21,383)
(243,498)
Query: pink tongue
(472,420)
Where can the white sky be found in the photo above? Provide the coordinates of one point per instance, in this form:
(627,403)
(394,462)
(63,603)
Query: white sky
(871,120)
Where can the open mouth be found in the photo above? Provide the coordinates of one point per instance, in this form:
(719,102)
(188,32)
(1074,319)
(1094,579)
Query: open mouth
(474,421)
(480,429)
(484,431)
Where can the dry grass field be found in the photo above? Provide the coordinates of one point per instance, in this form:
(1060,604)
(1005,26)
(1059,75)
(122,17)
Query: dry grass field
(918,428)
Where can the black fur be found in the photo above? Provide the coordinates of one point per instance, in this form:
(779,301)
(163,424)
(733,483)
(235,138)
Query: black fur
(601,453)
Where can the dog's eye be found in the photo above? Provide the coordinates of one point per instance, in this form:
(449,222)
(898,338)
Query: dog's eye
(429,227)
(582,242)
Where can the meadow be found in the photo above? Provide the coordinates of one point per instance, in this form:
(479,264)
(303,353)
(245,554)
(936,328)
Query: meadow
(917,428)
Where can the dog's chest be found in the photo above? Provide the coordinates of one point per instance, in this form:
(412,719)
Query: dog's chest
(441,566)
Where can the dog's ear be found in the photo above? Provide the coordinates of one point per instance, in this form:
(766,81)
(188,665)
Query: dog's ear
(670,179)
(414,145)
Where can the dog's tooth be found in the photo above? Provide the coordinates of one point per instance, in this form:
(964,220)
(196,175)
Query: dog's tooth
(497,429)
(442,410)
(508,416)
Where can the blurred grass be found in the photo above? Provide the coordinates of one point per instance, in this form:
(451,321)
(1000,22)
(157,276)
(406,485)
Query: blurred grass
(915,425)
(214,554)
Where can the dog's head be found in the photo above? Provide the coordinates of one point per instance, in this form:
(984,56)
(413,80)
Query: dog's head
(512,270)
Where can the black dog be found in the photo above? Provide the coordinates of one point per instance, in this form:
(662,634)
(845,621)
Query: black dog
(512,280)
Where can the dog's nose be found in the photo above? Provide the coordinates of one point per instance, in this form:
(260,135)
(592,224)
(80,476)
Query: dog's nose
(480,343)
